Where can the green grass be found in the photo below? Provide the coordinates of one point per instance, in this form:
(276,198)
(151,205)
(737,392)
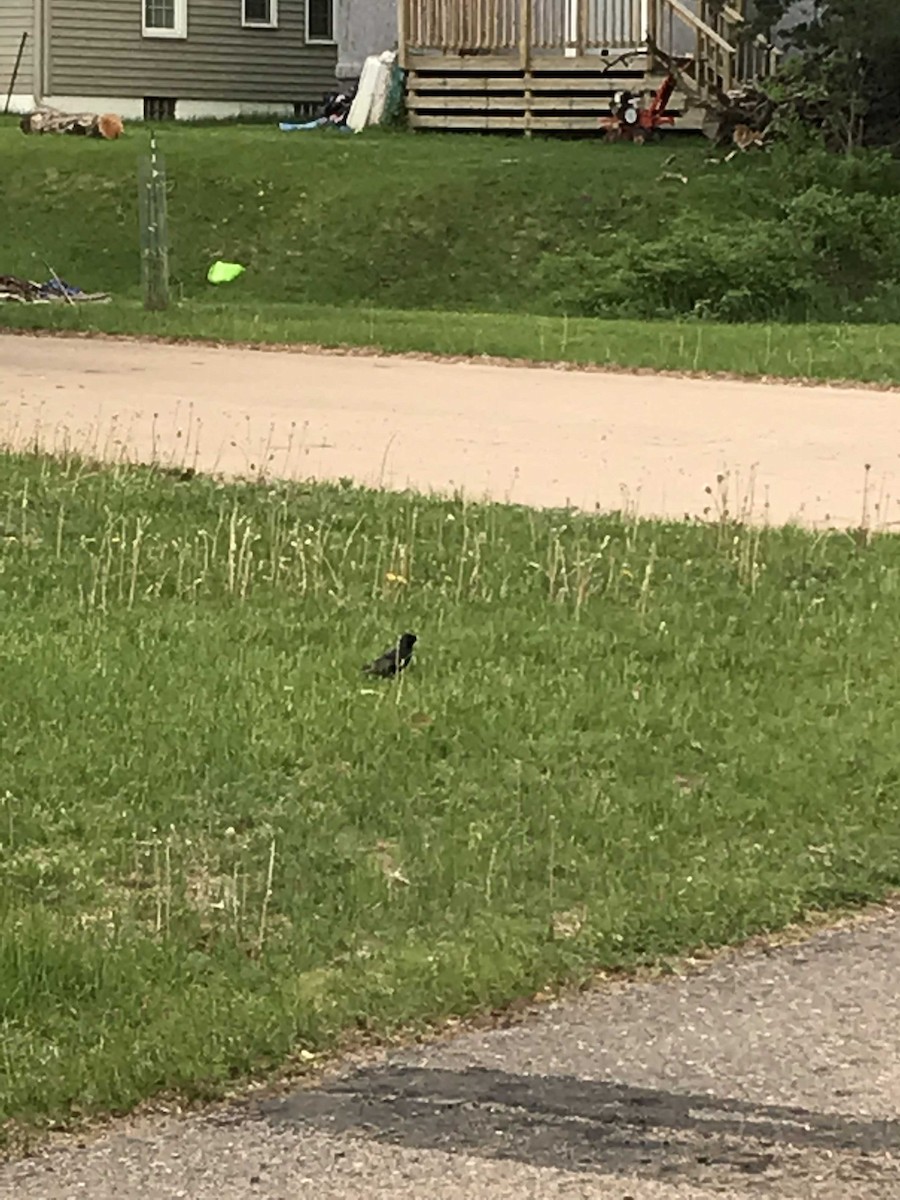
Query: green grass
(464,224)
(471,245)
(868,354)
(618,740)
(404,221)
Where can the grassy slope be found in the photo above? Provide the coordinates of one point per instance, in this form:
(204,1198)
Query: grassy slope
(618,740)
(423,243)
(405,221)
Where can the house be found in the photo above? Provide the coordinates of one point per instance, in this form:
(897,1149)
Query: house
(169,58)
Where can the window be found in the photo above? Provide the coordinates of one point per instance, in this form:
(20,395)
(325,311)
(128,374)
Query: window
(164,18)
(261,14)
(320,20)
(159,108)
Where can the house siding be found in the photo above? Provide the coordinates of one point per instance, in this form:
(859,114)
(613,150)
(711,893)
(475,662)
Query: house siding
(16,18)
(98,50)
(363,27)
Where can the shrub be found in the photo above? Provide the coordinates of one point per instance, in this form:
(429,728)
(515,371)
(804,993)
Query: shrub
(756,273)
(849,236)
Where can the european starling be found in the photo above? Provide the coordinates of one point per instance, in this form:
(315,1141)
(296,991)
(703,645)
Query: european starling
(394,659)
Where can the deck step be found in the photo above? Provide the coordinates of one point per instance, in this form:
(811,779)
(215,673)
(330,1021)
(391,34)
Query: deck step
(558,100)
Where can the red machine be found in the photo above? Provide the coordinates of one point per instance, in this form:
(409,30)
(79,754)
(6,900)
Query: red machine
(631,120)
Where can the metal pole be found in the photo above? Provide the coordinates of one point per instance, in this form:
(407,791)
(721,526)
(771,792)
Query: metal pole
(15,72)
(154,231)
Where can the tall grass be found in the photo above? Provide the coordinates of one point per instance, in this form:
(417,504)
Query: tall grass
(223,847)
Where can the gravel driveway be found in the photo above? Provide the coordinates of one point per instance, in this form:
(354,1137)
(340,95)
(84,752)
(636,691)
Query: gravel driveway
(536,436)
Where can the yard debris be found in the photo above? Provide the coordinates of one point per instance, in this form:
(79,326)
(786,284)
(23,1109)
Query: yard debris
(565,925)
(748,117)
(54,291)
(50,120)
(742,117)
(688,784)
(335,110)
(371,102)
(224,272)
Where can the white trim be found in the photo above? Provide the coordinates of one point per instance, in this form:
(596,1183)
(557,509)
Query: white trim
(131,108)
(321,41)
(20,102)
(272,22)
(227,110)
(179,30)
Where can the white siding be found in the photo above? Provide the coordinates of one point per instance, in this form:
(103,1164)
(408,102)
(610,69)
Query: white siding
(16,17)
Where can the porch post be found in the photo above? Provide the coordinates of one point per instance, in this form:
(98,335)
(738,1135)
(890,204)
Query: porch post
(649,19)
(644,8)
(525,34)
(581,36)
(402,33)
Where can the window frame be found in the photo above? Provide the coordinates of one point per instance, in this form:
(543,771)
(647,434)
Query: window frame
(179,30)
(272,22)
(322,41)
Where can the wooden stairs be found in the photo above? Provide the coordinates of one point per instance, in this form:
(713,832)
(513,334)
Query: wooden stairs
(566,96)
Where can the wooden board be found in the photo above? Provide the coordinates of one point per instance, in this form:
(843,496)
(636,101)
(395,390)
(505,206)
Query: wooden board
(556,93)
(635,57)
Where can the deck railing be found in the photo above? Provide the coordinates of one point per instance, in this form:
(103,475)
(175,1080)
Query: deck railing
(714,50)
(702,35)
(467,27)
(461,26)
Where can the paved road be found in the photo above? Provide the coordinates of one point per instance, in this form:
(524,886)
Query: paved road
(769,1075)
(772,1074)
(536,436)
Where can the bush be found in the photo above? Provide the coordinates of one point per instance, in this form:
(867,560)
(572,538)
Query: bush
(826,248)
(849,235)
(800,163)
(756,274)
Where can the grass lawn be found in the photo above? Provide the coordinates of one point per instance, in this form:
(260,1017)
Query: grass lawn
(398,220)
(223,847)
(439,243)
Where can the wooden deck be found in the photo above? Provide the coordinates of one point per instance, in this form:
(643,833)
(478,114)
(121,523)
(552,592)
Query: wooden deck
(536,65)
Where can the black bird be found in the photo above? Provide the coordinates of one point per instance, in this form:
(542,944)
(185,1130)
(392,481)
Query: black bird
(394,659)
